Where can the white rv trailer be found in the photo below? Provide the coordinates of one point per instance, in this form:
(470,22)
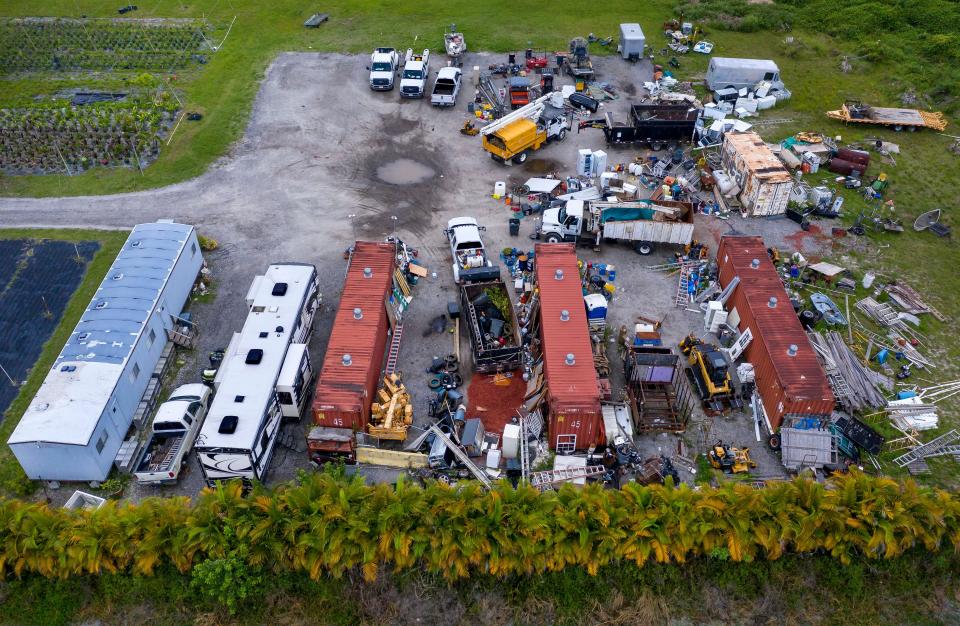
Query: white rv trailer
(265,375)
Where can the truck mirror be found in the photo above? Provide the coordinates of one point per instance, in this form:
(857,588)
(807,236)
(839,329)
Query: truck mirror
(368,68)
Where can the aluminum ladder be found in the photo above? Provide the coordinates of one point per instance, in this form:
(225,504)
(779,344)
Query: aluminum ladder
(683,284)
(931,448)
(478,473)
(524,450)
(544,480)
(394,352)
(171,454)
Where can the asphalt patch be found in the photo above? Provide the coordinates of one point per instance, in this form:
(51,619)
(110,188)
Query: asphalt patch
(37,279)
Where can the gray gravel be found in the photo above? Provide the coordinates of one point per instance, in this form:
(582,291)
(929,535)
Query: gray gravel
(303,184)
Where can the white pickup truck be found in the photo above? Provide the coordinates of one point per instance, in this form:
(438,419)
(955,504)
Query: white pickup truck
(384,63)
(470,261)
(416,68)
(446,87)
(174,430)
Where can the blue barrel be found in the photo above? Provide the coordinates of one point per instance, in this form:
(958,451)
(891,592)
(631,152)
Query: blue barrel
(611,273)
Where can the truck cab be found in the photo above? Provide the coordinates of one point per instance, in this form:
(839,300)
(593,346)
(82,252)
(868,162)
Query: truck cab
(383,68)
(563,223)
(514,142)
(416,68)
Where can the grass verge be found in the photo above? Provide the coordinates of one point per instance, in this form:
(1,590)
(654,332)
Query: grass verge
(12,479)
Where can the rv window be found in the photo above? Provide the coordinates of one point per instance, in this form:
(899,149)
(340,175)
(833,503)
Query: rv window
(188,419)
(770,76)
(228,425)
(264,441)
(284,397)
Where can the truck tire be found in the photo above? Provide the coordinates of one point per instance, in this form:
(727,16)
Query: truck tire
(656,146)
(562,134)
(521,158)
(643,247)
(553,238)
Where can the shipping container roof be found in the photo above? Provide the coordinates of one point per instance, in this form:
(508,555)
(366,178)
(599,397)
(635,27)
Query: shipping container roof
(801,374)
(575,384)
(758,157)
(343,385)
(68,405)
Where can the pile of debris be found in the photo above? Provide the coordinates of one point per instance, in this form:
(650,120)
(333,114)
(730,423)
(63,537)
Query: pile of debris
(915,461)
(916,409)
(854,384)
(392,414)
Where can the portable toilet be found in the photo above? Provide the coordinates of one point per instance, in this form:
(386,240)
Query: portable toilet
(632,42)
(596,310)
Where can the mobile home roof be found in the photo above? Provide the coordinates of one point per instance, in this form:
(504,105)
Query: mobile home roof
(253,384)
(78,387)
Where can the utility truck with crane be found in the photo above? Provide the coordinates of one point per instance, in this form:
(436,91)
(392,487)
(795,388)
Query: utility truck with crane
(416,68)
(513,137)
(644,223)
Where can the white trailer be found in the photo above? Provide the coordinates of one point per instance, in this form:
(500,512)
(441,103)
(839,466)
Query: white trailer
(632,42)
(264,361)
(741,73)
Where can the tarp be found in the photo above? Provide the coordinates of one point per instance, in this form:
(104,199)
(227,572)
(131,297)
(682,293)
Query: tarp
(617,214)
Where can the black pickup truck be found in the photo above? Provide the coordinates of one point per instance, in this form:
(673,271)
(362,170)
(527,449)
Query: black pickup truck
(657,125)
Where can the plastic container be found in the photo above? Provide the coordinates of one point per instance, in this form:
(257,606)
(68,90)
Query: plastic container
(499,189)
(515,230)
(611,273)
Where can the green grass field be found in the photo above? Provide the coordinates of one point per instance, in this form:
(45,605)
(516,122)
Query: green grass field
(12,479)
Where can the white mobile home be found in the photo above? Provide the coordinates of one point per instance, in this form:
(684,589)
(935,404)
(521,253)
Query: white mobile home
(75,424)
(265,375)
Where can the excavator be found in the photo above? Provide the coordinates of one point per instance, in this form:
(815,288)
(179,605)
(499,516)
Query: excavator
(731,460)
(709,373)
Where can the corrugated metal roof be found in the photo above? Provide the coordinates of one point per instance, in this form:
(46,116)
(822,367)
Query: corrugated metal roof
(69,403)
(575,384)
(801,375)
(757,157)
(342,385)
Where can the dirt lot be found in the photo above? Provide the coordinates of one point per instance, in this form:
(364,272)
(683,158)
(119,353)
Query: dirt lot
(325,161)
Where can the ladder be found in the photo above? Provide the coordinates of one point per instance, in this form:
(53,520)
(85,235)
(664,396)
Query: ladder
(524,450)
(530,112)
(543,480)
(394,349)
(478,473)
(931,448)
(171,454)
(683,284)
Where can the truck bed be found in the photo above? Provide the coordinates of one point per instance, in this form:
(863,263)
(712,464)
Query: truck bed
(653,123)
(653,230)
(161,453)
(488,354)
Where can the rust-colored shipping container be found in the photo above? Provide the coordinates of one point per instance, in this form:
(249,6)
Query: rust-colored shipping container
(574,415)
(346,386)
(790,384)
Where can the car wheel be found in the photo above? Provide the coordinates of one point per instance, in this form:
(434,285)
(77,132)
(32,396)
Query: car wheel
(521,158)
(562,134)
(774,441)
(553,238)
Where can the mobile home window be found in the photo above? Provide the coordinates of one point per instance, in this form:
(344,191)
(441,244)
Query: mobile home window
(193,249)
(135,372)
(151,338)
(101,443)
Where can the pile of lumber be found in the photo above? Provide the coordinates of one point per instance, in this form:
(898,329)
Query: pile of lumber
(854,384)
(392,414)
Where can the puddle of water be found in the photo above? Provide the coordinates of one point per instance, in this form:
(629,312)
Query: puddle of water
(405,172)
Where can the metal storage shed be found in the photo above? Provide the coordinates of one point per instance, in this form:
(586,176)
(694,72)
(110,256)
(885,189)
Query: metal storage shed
(765,182)
(75,424)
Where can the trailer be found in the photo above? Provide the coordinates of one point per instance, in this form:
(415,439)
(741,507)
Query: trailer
(853,112)
(656,125)
(491,325)
(645,223)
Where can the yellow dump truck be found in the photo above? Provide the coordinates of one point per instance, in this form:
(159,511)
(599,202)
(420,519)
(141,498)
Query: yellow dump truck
(513,137)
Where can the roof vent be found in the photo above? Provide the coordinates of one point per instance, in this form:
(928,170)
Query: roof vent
(101,305)
(82,337)
(772,302)
(280,289)
(136,244)
(254,356)
(278,329)
(564,315)
(347,360)
(570,360)
(68,368)
(755,264)
(367,272)
(558,275)
(358,313)
(238,398)
(117,276)
(263,334)
(228,425)
(792,350)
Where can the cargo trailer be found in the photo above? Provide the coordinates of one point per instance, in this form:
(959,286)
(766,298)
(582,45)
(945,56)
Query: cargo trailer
(632,42)
(654,125)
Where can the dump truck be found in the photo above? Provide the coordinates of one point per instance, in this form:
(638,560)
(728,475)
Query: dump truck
(491,323)
(656,125)
(172,434)
(854,112)
(513,137)
(645,223)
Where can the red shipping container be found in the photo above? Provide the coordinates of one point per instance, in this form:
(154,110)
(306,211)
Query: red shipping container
(573,395)
(790,385)
(345,391)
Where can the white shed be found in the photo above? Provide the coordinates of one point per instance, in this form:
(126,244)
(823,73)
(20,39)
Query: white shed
(632,42)
(75,424)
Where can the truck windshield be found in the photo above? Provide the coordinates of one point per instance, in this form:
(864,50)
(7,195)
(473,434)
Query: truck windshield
(381,67)
(414,74)
(562,215)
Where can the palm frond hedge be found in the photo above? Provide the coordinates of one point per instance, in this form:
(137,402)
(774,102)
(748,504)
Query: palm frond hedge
(328,525)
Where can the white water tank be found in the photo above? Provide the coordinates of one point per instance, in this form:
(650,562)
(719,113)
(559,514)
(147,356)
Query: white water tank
(499,189)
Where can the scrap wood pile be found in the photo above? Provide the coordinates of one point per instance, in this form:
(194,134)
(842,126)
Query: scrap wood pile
(854,383)
(392,414)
